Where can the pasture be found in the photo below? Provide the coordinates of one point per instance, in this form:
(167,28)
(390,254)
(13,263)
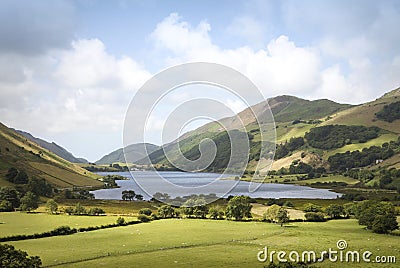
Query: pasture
(201,243)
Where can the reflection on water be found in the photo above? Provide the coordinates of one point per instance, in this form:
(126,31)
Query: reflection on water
(194,183)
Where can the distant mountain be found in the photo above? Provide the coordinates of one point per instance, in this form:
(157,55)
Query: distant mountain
(17,151)
(53,147)
(293,117)
(134,152)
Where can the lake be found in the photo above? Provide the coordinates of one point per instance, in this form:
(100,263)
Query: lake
(184,184)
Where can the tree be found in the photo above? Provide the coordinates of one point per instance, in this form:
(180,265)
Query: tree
(85,194)
(5,206)
(10,194)
(383,224)
(216,212)
(128,195)
(11,174)
(309,207)
(139,197)
(282,217)
(21,178)
(195,206)
(79,209)
(271,213)
(39,187)
(166,211)
(349,209)
(334,211)
(11,257)
(380,217)
(51,206)
(239,207)
(161,196)
(29,202)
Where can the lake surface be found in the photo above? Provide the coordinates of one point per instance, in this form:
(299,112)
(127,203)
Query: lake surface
(184,184)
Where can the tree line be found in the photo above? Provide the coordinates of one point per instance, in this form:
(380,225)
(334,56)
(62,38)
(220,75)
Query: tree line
(389,112)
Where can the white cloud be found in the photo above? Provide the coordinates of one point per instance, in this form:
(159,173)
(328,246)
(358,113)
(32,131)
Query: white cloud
(280,67)
(283,67)
(84,88)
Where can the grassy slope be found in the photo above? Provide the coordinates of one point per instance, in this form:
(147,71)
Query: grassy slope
(359,146)
(203,243)
(365,114)
(17,151)
(293,108)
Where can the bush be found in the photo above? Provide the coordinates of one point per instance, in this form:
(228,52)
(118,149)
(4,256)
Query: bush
(95,211)
(144,218)
(145,211)
(120,221)
(315,216)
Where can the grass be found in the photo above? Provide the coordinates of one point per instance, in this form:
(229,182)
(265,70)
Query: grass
(202,243)
(359,146)
(286,131)
(13,223)
(329,179)
(17,151)
(365,114)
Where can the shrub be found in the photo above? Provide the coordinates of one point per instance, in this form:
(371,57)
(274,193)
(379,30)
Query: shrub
(120,221)
(144,218)
(315,216)
(95,211)
(145,211)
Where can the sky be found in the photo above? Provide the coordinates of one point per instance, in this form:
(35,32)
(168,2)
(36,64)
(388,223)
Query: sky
(69,69)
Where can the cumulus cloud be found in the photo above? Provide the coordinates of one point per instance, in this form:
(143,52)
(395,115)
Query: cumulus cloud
(85,87)
(284,67)
(280,67)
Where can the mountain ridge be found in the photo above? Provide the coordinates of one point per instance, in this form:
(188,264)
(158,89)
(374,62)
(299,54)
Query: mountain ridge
(53,147)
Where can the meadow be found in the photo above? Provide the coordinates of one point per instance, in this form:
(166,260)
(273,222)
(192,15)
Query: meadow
(194,243)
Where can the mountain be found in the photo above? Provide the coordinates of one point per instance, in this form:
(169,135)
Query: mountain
(294,117)
(365,114)
(134,152)
(53,147)
(16,151)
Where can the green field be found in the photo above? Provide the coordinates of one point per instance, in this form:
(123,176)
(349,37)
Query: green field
(359,146)
(329,179)
(200,243)
(13,223)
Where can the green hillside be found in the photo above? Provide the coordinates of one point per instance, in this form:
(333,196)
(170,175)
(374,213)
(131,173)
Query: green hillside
(289,108)
(295,117)
(365,114)
(19,152)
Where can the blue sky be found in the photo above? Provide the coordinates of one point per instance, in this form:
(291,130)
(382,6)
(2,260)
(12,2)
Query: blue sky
(68,69)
